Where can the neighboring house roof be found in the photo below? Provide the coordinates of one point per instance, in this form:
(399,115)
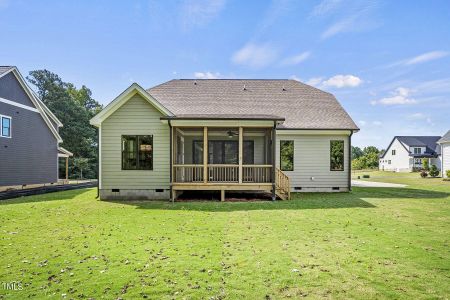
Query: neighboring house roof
(40,106)
(432,149)
(5,69)
(302,106)
(445,138)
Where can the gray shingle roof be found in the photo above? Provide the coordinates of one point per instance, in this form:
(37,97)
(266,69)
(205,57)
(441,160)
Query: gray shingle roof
(4,69)
(445,138)
(302,106)
(430,142)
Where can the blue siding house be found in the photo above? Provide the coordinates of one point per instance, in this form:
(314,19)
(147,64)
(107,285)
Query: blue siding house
(29,138)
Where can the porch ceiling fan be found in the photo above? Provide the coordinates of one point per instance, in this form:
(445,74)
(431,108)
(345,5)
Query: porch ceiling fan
(232,133)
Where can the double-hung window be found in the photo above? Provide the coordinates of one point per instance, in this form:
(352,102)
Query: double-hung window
(337,155)
(137,152)
(5,126)
(287,155)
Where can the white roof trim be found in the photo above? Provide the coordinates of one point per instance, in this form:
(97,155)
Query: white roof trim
(37,103)
(64,152)
(123,98)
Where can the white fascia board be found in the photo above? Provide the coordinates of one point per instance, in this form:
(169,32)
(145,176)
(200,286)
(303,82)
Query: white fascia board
(312,132)
(122,99)
(36,103)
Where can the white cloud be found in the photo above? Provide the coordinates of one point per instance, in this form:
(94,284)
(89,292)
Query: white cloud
(354,16)
(315,81)
(293,77)
(362,123)
(254,55)
(206,75)
(420,117)
(399,97)
(196,13)
(339,27)
(341,81)
(296,59)
(325,7)
(377,123)
(416,116)
(425,57)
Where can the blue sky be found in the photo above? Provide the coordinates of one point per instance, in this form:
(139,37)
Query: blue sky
(388,62)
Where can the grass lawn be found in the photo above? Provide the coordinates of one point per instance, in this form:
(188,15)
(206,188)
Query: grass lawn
(372,243)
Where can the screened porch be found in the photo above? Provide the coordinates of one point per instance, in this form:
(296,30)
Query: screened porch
(219,155)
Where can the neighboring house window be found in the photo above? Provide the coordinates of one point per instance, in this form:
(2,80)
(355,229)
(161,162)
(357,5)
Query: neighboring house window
(417,150)
(287,155)
(389,162)
(137,152)
(393,152)
(337,155)
(5,126)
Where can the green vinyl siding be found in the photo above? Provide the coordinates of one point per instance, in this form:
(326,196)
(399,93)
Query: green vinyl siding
(312,161)
(135,117)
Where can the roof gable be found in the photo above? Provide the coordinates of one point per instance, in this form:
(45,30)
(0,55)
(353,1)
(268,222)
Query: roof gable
(445,138)
(37,103)
(122,99)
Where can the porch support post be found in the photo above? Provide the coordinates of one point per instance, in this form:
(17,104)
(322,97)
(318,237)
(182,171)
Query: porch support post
(241,148)
(205,154)
(274,148)
(171,195)
(67,168)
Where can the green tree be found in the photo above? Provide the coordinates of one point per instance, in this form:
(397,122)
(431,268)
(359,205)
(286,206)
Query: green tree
(74,107)
(81,164)
(356,152)
(371,149)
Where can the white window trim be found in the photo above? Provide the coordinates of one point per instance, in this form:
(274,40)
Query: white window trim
(1,126)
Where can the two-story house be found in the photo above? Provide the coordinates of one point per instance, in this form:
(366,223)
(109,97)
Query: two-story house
(406,153)
(29,138)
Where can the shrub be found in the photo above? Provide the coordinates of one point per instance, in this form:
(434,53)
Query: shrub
(425,164)
(366,176)
(423,174)
(434,171)
(448,173)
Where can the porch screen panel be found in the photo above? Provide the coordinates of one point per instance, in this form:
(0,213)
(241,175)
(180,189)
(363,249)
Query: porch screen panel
(249,153)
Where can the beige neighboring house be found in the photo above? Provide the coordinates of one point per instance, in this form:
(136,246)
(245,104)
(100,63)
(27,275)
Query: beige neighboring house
(277,136)
(444,142)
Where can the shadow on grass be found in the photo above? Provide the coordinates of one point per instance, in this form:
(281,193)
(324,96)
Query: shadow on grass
(353,199)
(53,196)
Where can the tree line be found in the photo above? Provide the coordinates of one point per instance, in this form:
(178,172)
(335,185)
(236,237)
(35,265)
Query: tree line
(366,158)
(74,107)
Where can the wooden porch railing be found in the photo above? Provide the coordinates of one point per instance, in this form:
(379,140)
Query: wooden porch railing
(225,173)
(188,173)
(282,185)
(257,173)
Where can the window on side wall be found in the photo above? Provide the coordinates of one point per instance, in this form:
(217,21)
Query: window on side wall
(137,152)
(287,155)
(337,155)
(393,152)
(5,126)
